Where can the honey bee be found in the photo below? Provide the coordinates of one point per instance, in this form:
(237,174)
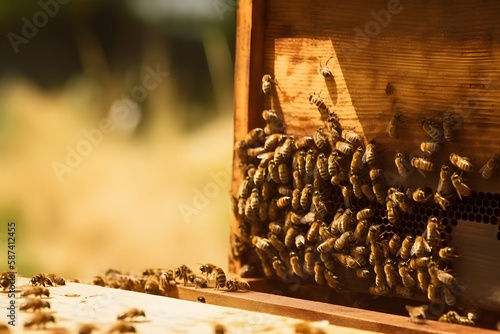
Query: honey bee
(273,172)
(447,253)
(358,253)
(313,231)
(448,123)
(255,137)
(356,188)
(276,228)
(342,241)
(489,168)
(449,297)
(284,173)
(327,245)
(418,314)
(303,142)
(34,304)
(440,276)
(339,178)
(392,127)
(435,132)
(152,285)
(320,104)
(405,250)
(300,241)
(319,205)
(306,197)
(391,213)
(121,327)
(270,116)
(182,272)
(6,280)
(300,164)
(368,192)
(290,235)
(310,161)
(298,181)
(376,174)
(276,242)
(360,232)
(308,328)
(319,273)
(296,264)
(370,155)
(379,290)
(430,147)
(380,278)
(432,232)
(462,188)
(130,314)
(351,137)
(241,150)
(309,261)
(40,279)
(322,164)
(257,151)
(37,291)
(248,270)
(404,167)
(406,278)
(252,205)
(320,139)
(87,328)
(324,232)
(462,163)
(373,235)
(344,147)
(331,280)
(379,191)
(391,273)
(420,262)
(236,284)
(220,278)
(324,71)
(346,194)
(422,280)
(454,318)
(357,160)
(284,201)
(420,195)
(219,329)
(443,202)
(99,280)
(422,164)
(40,320)
(279,268)
(345,220)
(432,292)
(394,244)
(420,247)
(363,273)
(365,213)
(267,81)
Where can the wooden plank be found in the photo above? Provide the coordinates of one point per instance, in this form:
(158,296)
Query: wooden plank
(74,304)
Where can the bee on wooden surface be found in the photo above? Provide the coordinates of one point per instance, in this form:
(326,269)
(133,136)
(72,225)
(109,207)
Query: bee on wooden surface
(99,280)
(418,314)
(270,116)
(182,272)
(489,168)
(320,104)
(152,285)
(447,253)
(356,187)
(443,202)
(344,148)
(40,279)
(121,327)
(200,282)
(324,71)
(34,304)
(392,127)
(405,250)
(6,280)
(306,196)
(462,188)
(342,241)
(87,328)
(235,284)
(391,273)
(363,273)
(422,165)
(279,268)
(391,213)
(357,160)
(404,167)
(164,281)
(267,81)
(319,276)
(255,137)
(434,131)
(351,137)
(4,329)
(248,270)
(420,247)
(453,317)
(220,278)
(130,314)
(462,163)
(430,147)
(40,320)
(370,154)
(130,283)
(406,278)
(36,291)
(331,280)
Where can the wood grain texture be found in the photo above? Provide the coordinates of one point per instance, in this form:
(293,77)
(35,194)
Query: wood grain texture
(437,56)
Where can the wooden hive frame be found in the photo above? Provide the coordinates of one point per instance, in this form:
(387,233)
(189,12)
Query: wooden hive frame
(417,57)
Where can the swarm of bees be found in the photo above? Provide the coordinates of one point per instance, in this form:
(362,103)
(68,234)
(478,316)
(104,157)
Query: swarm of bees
(288,219)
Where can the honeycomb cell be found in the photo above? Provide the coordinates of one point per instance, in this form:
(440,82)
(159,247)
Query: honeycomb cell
(486,219)
(489,196)
(406,216)
(481,195)
(388,228)
(496,212)
(442,235)
(406,230)
(454,222)
(444,221)
(403,224)
(448,229)
(468,209)
(465,216)
(477,202)
(475,209)
(421,226)
(418,218)
(482,210)
(479,218)
(382,228)
(493,204)
(435,212)
(486,202)
(496,197)
(376,212)
(454,207)
(472,217)
(451,213)
(380,220)
(494,220)
(489,211)
(458,215)
(461,208)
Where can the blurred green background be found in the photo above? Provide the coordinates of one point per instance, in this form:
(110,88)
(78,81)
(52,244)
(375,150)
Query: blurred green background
(153,190)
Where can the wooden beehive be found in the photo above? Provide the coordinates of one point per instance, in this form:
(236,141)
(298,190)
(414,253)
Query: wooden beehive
(420,58)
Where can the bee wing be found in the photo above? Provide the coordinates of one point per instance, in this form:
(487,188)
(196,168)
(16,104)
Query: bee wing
(414,248)
(421,172)
(365,156)
(426,245)
(408,167)
(458,191)
(483,168)
(440,185)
